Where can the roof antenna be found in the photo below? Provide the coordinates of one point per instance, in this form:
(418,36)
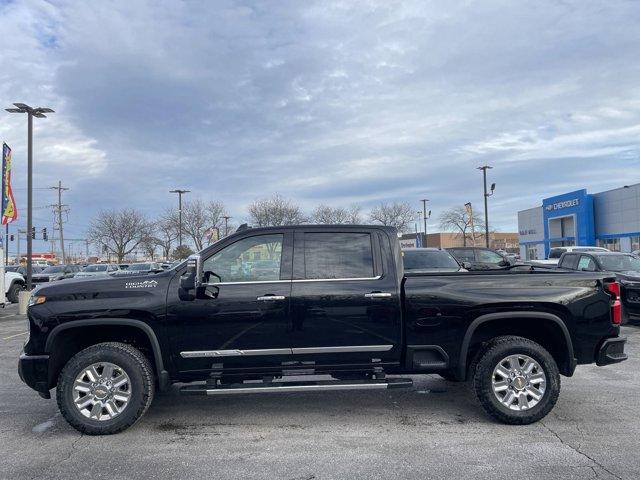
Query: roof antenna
(242,228)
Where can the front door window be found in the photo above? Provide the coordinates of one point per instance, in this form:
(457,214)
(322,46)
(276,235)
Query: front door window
(252,259)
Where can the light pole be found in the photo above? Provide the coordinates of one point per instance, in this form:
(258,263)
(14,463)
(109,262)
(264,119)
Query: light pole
(31,112)
(226,225)
(469,208)
(180,193)
(424,218)
(486,199)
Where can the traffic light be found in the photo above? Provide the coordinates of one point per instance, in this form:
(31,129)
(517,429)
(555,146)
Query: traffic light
(44,234)
(33,232)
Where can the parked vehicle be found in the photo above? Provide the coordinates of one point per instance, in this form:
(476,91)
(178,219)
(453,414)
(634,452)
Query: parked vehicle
(337,302)
(97,269)
(625,266)
(478,258)
(13,284)
(556,252)
(139,269)
(427,260)
(55,272)
(22,270)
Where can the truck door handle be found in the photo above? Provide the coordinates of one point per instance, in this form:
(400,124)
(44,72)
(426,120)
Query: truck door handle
(377,295)
(267,298)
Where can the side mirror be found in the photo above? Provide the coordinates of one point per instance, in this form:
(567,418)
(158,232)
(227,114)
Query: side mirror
(504,263)
(467,265)
(192,278)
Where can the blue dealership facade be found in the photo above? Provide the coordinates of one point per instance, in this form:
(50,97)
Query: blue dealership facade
(610,219)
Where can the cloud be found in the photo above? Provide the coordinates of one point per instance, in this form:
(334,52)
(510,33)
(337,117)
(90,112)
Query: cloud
(325,102)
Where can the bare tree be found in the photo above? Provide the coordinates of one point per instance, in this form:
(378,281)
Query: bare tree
(337,215)
(166,231)
(149,245)
(202,221)
(119,231)
(397,214)
(459,220)
(275,211)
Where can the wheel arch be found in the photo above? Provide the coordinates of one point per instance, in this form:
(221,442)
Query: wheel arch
(140,326)
(521,322)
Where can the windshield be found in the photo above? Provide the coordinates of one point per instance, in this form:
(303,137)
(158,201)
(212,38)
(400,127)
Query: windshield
(619,263)
(56,269)
(428,260)
(140,266)
(11,269)
(95,268)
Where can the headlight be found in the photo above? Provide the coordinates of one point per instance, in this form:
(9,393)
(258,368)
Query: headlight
(36,300)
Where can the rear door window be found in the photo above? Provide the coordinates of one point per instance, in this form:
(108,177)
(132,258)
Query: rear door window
(570,261)
(338,255)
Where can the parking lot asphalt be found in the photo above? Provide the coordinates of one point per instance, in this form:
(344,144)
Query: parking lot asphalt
(435,430)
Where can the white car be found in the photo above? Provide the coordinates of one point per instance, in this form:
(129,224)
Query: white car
(556,253)
(13,284)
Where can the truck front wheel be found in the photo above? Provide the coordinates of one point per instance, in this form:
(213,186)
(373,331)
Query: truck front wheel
(516,380)
(105,388)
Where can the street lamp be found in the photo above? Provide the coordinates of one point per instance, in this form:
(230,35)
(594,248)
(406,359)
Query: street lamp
(486,198)
(38,112)
(424,218)
(180,193)
(226,225)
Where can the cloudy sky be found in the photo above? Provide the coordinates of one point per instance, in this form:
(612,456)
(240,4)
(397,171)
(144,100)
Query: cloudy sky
(324,102)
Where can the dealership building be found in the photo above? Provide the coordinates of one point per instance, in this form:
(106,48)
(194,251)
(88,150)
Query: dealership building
(608,219)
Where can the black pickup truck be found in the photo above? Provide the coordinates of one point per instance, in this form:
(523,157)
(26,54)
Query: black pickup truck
(266,304)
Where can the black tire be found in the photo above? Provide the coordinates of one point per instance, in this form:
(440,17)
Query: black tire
(496,351)
(142,388)
(14,292)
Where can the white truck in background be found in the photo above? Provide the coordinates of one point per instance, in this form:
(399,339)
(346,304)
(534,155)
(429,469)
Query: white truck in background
(556,253)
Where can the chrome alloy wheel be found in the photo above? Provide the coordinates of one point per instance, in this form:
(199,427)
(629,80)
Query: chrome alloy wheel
(101,391)
(519,382)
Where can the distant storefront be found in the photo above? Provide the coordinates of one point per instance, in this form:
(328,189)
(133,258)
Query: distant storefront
(609,219)
(497,240)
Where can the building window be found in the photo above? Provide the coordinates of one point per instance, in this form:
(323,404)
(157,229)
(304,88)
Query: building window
(612,244)
(532,253)
(635,243)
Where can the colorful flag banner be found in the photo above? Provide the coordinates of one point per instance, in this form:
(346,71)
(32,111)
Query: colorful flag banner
(9,210)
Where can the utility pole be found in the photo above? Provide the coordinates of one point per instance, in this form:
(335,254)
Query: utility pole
(180,193)
(226,225)
(86,244)
(38,112)
(58,209)
(486,201)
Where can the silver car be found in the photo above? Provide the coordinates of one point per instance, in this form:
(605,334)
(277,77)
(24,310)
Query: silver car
(97,270)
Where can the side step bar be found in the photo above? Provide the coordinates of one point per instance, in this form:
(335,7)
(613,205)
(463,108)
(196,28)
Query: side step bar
(283,387)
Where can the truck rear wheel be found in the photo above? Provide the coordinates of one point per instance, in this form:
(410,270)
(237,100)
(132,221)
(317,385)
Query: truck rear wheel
(516,380)
(14,292)
(105,388)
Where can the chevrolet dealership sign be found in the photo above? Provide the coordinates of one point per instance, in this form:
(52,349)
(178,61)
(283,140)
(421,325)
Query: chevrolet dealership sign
(560,205)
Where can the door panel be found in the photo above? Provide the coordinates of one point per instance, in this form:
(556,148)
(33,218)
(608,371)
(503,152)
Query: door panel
(246,325)
(343,320)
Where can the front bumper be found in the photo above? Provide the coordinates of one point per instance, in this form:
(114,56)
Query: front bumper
(611,351)
(34,371)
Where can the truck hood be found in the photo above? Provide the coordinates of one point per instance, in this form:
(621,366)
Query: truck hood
(98,284)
